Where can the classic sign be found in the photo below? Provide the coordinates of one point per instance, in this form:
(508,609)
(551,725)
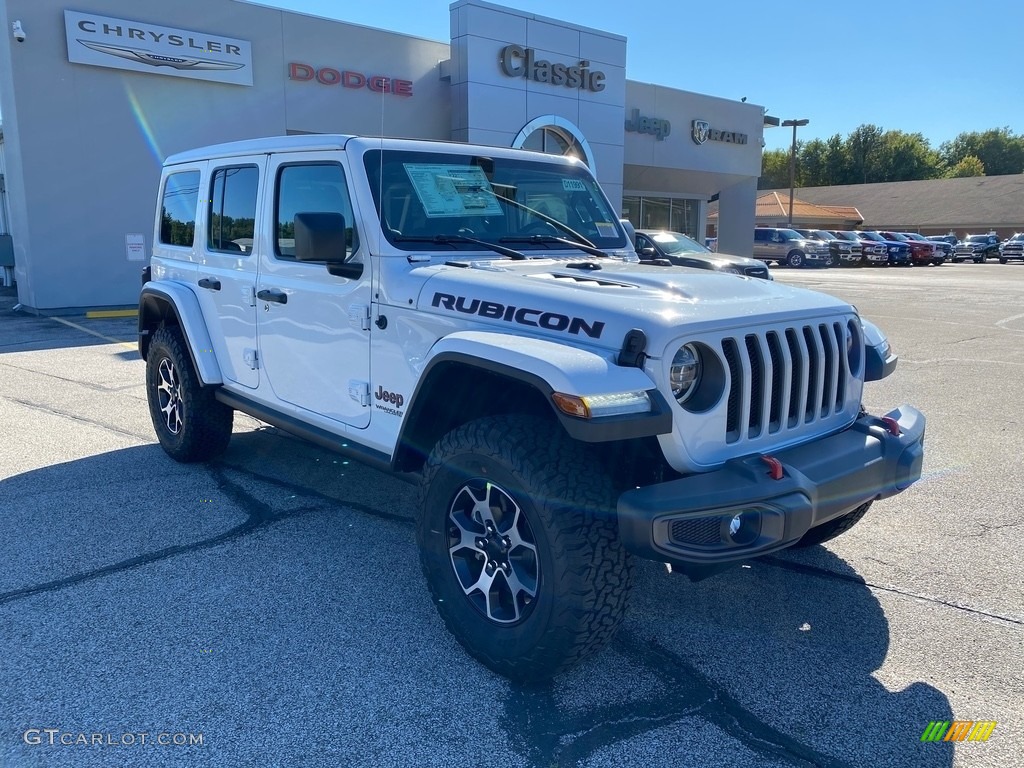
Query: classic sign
(517,61)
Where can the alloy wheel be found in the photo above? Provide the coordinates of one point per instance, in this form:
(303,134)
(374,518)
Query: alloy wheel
(493,551)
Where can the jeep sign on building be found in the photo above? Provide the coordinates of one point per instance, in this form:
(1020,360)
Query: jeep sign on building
(100,92)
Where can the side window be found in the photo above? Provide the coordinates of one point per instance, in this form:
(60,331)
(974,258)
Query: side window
(314,188)
(178,209)
(231,225)
(760,235)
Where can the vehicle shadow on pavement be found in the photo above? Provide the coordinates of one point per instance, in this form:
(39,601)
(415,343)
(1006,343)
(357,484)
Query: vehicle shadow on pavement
(24,332)
(274,557)
(774,655)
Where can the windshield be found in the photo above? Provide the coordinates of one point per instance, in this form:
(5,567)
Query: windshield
(821,234)
(791,234)
(915,236)
(897,236)
(441,201)
(853,236)
(675,242)
(872,236)
(977,238)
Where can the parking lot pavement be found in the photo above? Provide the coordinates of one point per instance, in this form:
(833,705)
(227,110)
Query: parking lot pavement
(268,608)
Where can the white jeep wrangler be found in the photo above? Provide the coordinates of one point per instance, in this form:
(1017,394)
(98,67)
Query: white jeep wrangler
(474,320)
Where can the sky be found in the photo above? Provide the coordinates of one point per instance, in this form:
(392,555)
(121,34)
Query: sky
(939,68)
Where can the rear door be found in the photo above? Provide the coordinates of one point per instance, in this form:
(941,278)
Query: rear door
(226,274)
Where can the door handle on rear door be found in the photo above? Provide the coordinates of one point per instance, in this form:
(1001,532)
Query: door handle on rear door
(210,284)
(273,294)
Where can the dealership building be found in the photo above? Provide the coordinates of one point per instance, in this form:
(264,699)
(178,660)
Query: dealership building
(95,95)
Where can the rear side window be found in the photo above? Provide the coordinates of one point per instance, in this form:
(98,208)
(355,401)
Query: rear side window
(312,188)
(231,224)
(178,209)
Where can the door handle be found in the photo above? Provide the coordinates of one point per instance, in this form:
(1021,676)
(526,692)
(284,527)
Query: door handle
(273,294)
(209,284)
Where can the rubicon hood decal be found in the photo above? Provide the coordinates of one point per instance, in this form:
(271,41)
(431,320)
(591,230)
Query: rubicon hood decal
(537,318)
(158,60)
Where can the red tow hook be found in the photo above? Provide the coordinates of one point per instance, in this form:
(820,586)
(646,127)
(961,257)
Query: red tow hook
(892,424)
(775,471)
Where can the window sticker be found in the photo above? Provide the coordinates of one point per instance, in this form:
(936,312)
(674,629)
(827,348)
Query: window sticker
(452,190)
(605,228)
(573,185)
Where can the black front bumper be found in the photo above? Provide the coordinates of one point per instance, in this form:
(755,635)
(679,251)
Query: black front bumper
(700,522)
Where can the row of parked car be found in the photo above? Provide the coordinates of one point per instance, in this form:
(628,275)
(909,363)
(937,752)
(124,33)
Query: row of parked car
(825,248)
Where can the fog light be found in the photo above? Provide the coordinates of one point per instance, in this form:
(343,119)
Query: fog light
(745,527)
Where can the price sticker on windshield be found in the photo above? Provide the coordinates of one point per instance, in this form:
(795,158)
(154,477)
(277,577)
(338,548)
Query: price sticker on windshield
(573,185)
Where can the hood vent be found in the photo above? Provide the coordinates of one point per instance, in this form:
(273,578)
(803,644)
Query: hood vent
(583,280)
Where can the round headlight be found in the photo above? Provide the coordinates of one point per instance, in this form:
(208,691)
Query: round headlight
(684,375)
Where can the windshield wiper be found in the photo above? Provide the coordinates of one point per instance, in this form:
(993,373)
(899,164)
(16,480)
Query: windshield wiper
(591,249)
(580,239)
(448,239)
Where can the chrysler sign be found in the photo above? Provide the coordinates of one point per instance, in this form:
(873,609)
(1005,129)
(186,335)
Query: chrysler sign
(102,41)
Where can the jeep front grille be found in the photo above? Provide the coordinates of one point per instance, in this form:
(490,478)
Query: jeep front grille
(783,379)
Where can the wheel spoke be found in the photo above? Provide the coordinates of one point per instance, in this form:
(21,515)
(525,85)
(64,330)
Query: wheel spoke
(516,540)
(482,585)
(467,538)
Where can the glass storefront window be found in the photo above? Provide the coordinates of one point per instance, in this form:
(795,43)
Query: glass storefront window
(675,214)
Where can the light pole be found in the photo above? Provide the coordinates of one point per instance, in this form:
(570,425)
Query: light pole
(792,162)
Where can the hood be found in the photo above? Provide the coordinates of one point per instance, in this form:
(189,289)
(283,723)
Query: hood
(598,306)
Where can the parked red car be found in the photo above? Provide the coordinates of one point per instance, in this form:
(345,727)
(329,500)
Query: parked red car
(922,252)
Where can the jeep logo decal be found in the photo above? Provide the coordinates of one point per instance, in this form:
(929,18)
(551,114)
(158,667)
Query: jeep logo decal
(536,318)
(394,398)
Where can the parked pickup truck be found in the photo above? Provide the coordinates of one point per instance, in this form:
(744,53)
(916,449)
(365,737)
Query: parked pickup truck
(474,320)
(1012,249)
(977,248)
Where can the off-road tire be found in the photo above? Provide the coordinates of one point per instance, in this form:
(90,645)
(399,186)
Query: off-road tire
(835,527)
(795,259)
(581,572)
(177,399)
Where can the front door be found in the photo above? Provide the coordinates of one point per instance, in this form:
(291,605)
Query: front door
(313,326)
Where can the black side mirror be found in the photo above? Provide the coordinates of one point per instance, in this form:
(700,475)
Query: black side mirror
(322,237)
(648,253)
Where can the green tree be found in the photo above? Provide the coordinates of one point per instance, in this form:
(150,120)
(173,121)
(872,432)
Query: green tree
(774,169)
(812,165)
(905,157)
(999,150)
(861,146)
(837,162)
(967,166)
